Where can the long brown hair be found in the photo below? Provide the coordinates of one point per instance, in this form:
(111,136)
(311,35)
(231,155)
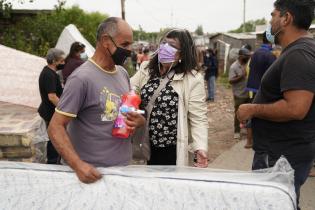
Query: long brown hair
(75,48)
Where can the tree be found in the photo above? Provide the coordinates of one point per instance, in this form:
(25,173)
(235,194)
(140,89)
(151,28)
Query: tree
(37,34)
(250,26)
(140,34)
(6,7)
(199,30)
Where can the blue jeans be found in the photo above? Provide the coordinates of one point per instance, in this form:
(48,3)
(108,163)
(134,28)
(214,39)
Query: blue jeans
(211,87)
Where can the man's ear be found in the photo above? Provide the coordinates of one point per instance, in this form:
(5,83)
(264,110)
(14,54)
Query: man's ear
(288,19)
(105,39)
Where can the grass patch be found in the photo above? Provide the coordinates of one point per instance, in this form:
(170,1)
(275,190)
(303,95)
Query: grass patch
(224,80)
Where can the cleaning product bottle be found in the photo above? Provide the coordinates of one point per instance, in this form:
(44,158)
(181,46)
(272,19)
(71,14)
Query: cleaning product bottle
(130,103)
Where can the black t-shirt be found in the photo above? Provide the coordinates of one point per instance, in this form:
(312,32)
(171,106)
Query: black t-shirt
(49,82)
(294,70)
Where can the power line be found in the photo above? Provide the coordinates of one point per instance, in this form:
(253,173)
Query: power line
(149,13)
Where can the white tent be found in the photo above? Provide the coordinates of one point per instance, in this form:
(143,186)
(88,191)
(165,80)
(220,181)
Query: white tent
(71,34)
(19,72)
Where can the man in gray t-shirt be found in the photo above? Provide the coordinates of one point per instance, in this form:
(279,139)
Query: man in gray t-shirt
(89,105)
(237,78)
(92,97)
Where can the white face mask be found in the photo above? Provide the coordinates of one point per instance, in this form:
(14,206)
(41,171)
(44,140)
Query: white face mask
(83,56)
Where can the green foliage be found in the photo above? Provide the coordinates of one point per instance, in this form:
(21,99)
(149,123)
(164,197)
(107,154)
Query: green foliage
(6,7)
(37,35)
(128,66)
(163,31)
(199,30)
(250,26)
(140,34)
(224,80)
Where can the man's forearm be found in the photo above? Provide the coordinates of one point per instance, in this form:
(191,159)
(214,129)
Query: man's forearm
(279,111)
(236,79)
(63,145)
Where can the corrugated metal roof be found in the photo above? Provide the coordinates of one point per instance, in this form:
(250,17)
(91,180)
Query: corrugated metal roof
(250,35)
(241,35)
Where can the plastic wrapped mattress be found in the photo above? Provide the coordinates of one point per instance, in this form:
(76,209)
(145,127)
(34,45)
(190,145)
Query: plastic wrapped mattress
(23,134)
(36,186)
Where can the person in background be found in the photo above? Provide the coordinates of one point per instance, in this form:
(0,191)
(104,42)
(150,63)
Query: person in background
(74,59)
(312,173)
(237,78)
(211,72)
(283,111)
(50,89)
(248,47)
(277,51)
(139,57)
(180,110)
(259,63)
(146,56)
(133,57)
(81,128)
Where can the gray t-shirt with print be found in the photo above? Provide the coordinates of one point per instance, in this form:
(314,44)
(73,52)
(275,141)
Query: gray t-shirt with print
(93,96)
(239,88)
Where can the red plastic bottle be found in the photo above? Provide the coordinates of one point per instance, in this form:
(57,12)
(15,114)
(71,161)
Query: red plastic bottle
(130,102)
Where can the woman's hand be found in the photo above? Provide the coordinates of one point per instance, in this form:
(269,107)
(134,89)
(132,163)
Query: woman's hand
(134,120)
(201,159)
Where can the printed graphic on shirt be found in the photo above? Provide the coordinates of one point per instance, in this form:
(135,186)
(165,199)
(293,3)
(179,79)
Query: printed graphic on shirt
(109,103)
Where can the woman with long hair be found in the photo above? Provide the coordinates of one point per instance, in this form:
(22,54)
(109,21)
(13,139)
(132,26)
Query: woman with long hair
(178,122)
(74,59)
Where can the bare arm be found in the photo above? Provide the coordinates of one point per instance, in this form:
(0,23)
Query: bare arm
(60,139)
(53,98)
(236,79)
(295,106)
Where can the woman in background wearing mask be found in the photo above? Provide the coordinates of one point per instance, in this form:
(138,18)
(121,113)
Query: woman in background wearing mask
(178,122)
(75,58)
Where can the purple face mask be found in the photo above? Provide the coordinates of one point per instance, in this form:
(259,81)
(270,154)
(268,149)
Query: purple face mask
(166,53)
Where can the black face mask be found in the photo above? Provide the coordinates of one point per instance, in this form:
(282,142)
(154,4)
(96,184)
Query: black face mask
(120,55)
(60,66)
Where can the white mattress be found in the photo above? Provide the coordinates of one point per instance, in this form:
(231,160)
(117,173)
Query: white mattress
(71,34)
(35,186)
(19,72)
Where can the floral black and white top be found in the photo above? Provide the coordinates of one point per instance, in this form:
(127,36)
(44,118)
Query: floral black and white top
(163,118)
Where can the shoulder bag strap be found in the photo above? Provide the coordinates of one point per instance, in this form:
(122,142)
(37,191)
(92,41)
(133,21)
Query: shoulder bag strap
(162,85)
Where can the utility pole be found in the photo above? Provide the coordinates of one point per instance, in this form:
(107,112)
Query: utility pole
(123,9)
(244,16)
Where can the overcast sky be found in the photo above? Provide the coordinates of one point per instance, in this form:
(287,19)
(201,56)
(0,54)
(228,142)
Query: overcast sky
(213,15)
